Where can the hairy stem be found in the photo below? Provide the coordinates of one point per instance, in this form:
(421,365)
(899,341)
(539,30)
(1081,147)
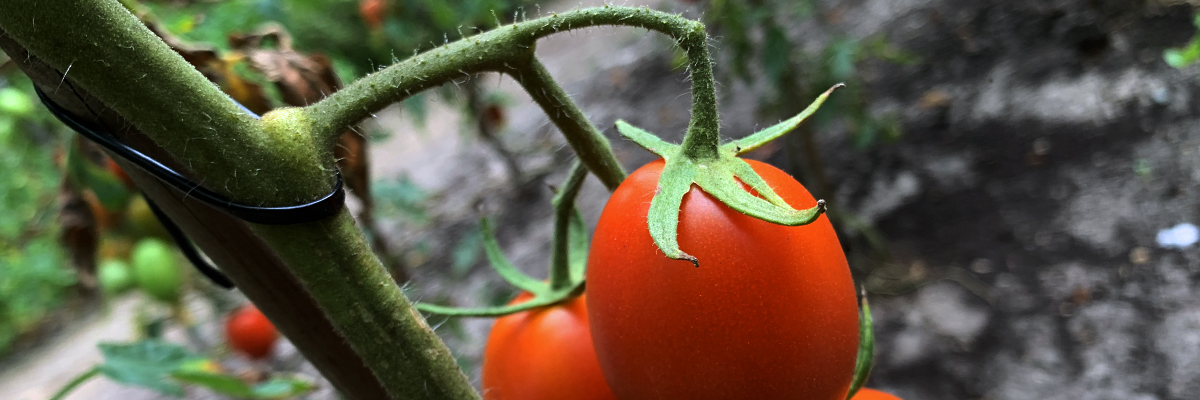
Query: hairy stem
(589,144)
(510,49)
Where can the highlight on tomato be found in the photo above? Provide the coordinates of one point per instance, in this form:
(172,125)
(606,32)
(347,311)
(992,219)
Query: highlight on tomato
(543,354)
(769,313)
(250,333)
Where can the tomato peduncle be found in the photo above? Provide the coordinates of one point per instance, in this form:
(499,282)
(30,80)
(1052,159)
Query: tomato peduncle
(567,262)
(718,171)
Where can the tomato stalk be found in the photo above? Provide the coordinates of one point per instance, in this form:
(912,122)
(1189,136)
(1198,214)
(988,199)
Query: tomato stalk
(567,260)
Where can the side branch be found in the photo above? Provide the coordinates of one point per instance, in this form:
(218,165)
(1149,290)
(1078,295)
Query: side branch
(510,49)
(593,149)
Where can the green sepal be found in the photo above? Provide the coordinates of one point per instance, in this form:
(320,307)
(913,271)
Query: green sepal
(567,238)
(500,263)
(720,184)
(578,250)
(722,177)
(540,300)
(760,138)
(663,219)
(647,140)
(866,349)
(569,262)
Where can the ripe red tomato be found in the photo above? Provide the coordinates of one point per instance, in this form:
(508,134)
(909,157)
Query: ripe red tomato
(372,12)
(872,394)
(250,332)
(769,314)
(543,354)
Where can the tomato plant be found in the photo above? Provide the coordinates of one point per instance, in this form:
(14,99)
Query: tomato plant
(250,332)
(872,394)
(769,313)
(543,354)
(156,271)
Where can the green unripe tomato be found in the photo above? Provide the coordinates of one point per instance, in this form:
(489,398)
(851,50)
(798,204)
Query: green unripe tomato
(14,102)
(155,270)
(114,276)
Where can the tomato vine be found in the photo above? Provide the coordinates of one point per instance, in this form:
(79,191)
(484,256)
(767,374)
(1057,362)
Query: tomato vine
(326,266)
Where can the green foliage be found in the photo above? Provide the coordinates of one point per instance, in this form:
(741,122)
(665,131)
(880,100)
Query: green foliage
(164,367)
(336,28)
(33,270)
(1187,55)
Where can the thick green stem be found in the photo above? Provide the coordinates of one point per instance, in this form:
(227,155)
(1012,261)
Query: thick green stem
(564,208)
(332,260)
(74,383)
(101,47)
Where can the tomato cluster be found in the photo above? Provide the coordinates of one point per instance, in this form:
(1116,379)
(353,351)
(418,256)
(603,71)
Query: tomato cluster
(770,313)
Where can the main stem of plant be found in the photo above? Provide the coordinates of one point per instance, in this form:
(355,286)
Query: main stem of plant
(286,158)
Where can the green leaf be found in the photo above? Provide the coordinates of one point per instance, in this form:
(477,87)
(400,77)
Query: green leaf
(216,382)
(148,364)
(283,387)
(275,388)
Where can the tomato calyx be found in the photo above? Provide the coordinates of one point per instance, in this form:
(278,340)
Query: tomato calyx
(718,171)
(866,348)
(567,261)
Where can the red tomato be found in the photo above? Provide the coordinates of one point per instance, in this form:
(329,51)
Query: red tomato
(250,332)
(872,394)
(769,314)
(372,12)
(543,354)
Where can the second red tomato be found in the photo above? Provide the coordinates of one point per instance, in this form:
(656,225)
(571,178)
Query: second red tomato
(250,332)
(543,354)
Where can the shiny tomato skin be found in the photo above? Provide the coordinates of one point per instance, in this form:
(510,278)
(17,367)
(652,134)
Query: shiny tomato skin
(543,354)
(250,332)
(770,313)
(872,394)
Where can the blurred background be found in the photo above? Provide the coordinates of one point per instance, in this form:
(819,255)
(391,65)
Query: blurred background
(1012,180)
